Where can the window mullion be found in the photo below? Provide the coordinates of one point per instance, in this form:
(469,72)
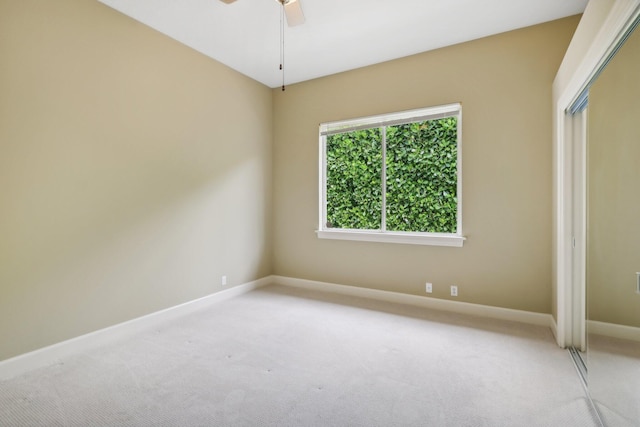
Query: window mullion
(383,223)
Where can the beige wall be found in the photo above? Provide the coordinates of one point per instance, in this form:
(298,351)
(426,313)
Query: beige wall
(134,172)
(613,255)
(504,84)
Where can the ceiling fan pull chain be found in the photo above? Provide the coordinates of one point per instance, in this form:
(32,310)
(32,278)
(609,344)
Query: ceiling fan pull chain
(282,42)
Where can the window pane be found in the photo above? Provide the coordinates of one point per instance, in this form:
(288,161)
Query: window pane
(422,176)
(354,183)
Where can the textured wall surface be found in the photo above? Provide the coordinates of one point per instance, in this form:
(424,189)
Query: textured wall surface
(129,178)
(504,84)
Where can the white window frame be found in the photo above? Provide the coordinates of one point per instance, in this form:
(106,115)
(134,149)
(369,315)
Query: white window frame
(418,238)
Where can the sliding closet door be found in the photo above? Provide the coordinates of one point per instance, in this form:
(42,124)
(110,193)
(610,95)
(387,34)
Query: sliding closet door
(613,241)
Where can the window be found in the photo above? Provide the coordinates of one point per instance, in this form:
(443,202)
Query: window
(393,178)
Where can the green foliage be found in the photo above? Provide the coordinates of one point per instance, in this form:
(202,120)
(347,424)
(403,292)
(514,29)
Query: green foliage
(354,180)
(422,178)
(421,169)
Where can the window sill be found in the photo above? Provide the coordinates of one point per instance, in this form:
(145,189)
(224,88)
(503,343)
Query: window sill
(397,237)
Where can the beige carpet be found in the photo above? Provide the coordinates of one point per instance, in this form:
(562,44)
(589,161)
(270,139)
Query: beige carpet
(286,357)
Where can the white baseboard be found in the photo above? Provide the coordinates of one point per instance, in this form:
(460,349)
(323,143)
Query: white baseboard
(539,319)
(54,353)
(613,330)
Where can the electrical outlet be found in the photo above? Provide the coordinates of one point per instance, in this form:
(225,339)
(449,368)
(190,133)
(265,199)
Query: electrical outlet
(429,288)
(454,291)
(223,280)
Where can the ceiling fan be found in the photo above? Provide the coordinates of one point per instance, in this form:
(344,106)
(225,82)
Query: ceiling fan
(292,10)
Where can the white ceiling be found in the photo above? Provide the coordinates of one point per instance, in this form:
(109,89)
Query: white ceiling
(338,35)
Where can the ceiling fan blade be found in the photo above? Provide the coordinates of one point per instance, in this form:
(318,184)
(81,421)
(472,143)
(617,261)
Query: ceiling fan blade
(293,10)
